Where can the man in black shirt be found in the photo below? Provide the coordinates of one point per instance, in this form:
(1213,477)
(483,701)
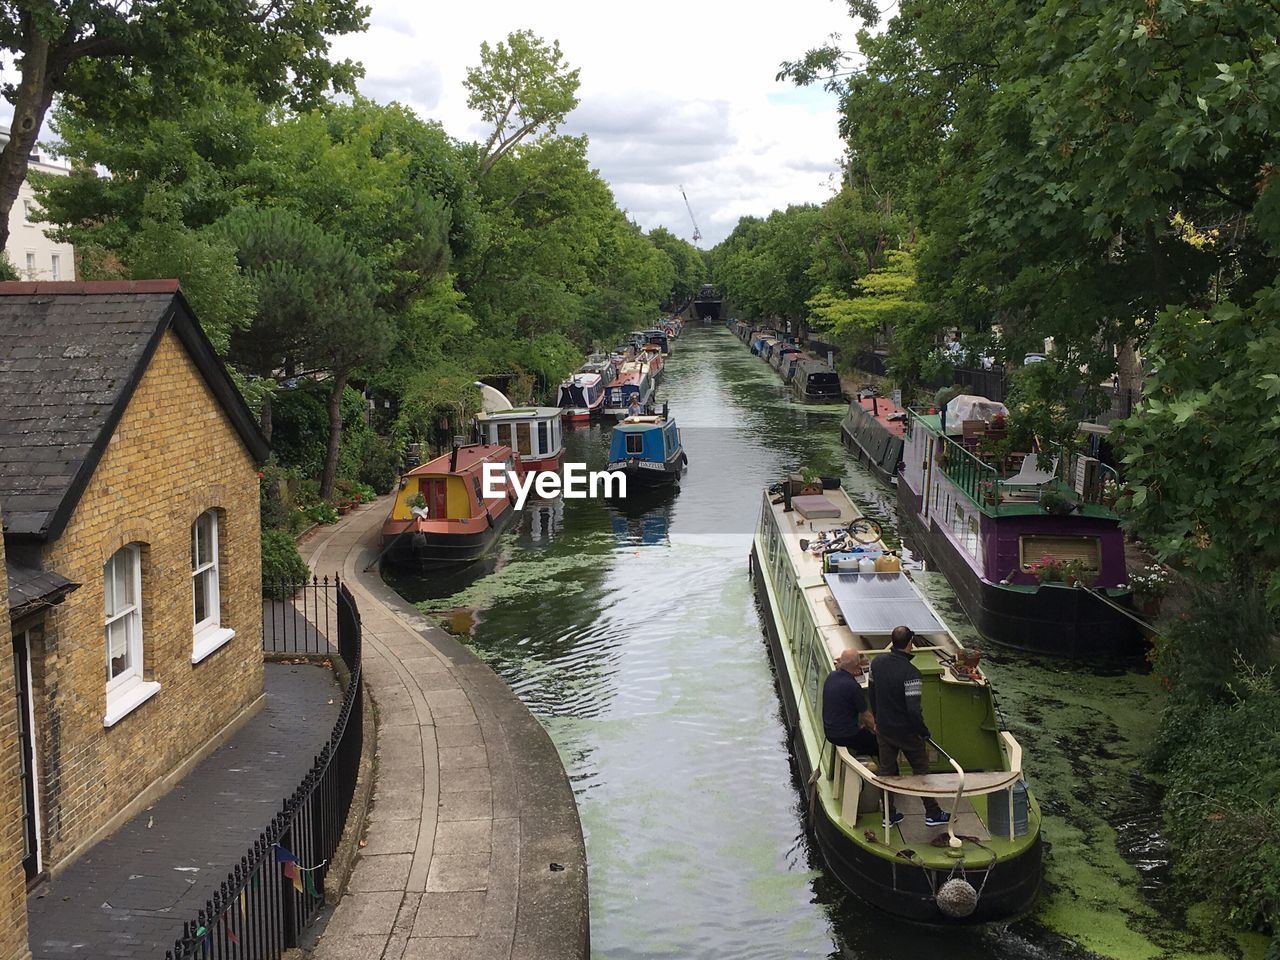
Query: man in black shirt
(845,718)
(899,720)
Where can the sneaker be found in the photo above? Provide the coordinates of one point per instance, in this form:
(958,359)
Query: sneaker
(895,818)
(937,820)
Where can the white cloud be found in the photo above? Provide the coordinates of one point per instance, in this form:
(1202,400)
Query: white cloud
(671,93)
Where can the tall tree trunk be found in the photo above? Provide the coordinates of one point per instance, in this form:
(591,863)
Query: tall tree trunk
(34,94)
(264,418)
(335,432)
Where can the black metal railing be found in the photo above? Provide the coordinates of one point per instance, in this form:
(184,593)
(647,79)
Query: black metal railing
(299,617)
(277,888)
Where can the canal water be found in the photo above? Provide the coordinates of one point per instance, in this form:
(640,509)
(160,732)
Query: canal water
(633,635)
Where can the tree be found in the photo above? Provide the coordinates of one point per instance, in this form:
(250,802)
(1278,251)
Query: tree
(686,262)
(521,87)
(107,58)
(884,299)
(316,310)
(1200,465)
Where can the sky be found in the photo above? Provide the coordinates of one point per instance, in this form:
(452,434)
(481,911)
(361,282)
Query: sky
(671,93)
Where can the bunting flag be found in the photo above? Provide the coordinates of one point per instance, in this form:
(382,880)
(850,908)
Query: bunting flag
(295,871)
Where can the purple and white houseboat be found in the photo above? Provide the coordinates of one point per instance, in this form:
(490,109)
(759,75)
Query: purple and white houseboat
(989,530)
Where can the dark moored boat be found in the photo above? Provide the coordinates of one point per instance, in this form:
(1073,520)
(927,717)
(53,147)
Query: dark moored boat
(990,531)
(873,428)
(815,382)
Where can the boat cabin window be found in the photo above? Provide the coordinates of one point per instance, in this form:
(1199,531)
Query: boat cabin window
(544,438)
(1033,549)
(523,438)
(635,443)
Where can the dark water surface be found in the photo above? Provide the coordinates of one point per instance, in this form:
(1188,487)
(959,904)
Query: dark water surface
(634,637)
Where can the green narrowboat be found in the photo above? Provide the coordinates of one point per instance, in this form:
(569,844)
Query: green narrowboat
(814,565)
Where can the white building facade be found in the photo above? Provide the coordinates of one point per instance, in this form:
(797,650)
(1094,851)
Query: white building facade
(30,250)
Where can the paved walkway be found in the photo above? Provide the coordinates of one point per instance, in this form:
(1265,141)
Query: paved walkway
(128,895)
(474,848)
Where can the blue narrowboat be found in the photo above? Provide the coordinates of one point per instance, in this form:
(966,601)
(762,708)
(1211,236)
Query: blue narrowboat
(647,449)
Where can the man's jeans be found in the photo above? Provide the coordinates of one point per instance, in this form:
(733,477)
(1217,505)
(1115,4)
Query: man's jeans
(913,747)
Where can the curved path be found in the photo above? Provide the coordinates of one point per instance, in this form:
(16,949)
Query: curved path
(474,848)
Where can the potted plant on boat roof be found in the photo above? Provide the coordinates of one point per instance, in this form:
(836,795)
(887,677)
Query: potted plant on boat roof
(1056,503)
(810,482)
(1110,492)
(1073,571)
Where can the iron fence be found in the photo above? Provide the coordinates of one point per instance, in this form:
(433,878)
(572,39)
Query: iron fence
(299,617)
(277,888)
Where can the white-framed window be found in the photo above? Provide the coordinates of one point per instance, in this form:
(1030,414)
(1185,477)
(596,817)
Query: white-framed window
(127,689)
(28,208)
(208,632)
(31,265)
(55,266)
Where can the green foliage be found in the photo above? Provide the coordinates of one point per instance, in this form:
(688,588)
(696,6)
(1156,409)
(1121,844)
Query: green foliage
(222,298)
(689,270)
(1200,465)
(522,87)
(322,513)
(281,564)
(7,270)
(882,300)
(1045,406)
(300,425)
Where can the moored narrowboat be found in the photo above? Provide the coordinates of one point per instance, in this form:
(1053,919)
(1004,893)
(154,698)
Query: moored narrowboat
(1003,533)
(441,515)
(873,428)
(985,862)
(633,381)
(581,397)
(815,382)
(647,449)
(534,433)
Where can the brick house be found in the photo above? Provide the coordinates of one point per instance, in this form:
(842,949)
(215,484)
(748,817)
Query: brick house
(129,497)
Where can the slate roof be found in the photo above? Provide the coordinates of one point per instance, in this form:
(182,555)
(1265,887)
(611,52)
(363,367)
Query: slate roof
(71,356)
(30,589)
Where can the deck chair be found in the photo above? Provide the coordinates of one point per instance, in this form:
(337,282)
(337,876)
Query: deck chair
(1024,486)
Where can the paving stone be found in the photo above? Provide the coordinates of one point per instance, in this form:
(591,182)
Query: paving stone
(340,945)
(373,913)
(465,781)
(449,914)
(460,735)
(463,837)
(456,948)
(454,872)
(374,873)
(465,805)
(391,836)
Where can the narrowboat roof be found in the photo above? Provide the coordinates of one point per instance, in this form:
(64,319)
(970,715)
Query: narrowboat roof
(469,458)
(583,379)
(641,422)
(812,367)
(523,413)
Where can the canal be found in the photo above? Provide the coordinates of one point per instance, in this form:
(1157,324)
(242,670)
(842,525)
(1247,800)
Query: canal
(632,634)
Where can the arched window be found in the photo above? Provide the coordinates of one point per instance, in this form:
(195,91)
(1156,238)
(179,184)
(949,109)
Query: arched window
(208,632)
(204,571)
(127,688)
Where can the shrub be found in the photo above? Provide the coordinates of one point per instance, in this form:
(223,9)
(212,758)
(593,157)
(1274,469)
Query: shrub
(1222,805)
(322,513)
(380,468)
(281,564)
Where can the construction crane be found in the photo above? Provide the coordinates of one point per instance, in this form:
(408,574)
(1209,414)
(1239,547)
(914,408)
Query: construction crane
(697,234)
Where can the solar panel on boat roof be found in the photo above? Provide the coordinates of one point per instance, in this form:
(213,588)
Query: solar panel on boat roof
(878,602)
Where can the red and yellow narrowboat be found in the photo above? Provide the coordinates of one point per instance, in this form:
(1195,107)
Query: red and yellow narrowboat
(441,513)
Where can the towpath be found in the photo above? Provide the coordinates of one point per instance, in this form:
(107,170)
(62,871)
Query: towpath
(474,848)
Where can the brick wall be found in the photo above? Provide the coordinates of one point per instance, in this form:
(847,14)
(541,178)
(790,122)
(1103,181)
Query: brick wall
(173,456)
(13,883)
